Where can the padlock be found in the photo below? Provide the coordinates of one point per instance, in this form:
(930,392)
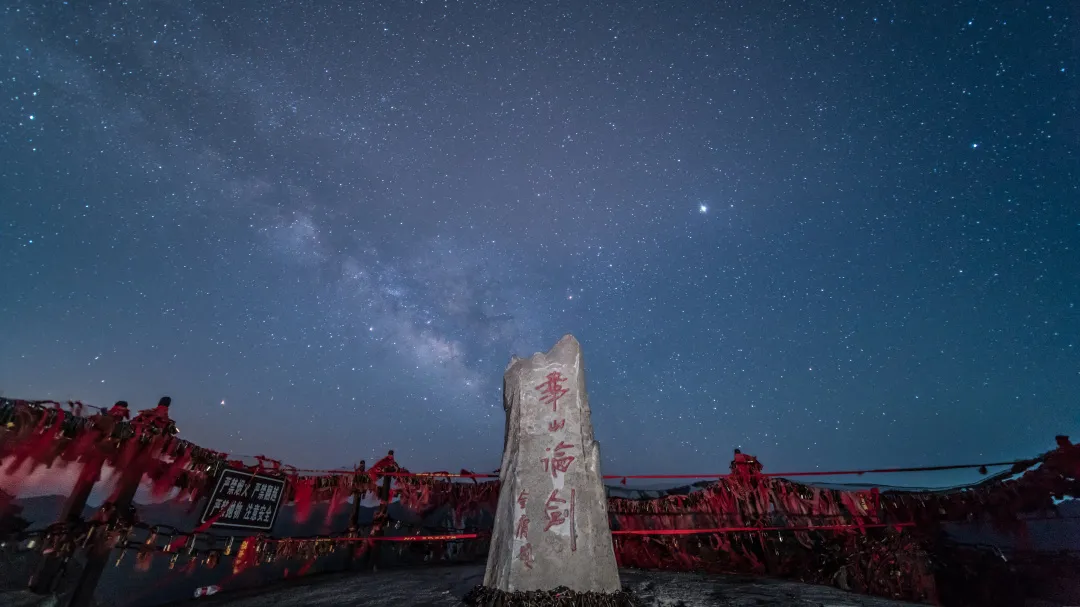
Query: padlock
(89,535)
(51,543)
(143,559)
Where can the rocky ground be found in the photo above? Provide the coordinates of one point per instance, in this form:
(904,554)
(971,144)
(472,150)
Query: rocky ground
(444,586)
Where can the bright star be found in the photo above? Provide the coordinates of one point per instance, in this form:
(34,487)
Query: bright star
(703,208)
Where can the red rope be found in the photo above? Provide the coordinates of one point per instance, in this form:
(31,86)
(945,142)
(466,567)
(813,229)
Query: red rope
(743,529)
(727,474)
(438,475)
(428,538)
(824,473)
(400,538)
(886,470)
(76,405)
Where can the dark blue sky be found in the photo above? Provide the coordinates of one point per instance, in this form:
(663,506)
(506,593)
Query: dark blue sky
(832,237)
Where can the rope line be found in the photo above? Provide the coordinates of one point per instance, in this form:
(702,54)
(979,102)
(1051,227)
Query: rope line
(76,406)
(728,474)
(388,538)
(744,529)
(827,472)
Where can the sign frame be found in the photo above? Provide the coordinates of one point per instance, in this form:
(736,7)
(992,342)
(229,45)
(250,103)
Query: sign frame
(250,479)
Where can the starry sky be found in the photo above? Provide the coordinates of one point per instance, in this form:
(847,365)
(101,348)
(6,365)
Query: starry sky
(833,237)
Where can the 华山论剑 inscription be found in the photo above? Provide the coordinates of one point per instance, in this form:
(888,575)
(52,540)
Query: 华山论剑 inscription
(551,527)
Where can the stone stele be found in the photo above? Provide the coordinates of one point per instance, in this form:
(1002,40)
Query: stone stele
(551,526)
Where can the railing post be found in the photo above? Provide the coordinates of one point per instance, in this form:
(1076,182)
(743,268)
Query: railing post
(97,555)
(51,566)
(354,519)
(381,517)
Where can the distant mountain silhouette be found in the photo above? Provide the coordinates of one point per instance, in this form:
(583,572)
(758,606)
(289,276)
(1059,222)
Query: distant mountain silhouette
(43,510)
(1045,533)
(11,519)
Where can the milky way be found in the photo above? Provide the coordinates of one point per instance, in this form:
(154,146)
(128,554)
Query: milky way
(831,237)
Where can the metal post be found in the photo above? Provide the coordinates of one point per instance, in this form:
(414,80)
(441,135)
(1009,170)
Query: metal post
(51,567)
(381,517)
(354,519)
(97,556)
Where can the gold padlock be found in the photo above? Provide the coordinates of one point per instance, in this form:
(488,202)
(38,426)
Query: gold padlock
(89,535)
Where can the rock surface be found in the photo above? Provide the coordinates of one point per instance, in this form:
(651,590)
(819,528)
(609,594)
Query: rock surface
(551,525)
(445,586)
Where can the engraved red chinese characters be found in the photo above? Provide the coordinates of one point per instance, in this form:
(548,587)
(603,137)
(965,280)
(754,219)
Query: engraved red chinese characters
(525,555)
(551,390)
(560,462)
(522,531)
(555,513)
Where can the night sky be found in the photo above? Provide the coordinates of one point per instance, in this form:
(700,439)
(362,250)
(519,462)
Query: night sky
(833,237)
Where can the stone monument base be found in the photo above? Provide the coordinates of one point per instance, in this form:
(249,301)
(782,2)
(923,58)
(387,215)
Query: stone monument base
(484,596)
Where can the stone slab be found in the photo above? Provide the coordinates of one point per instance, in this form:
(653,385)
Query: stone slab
(551,525)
